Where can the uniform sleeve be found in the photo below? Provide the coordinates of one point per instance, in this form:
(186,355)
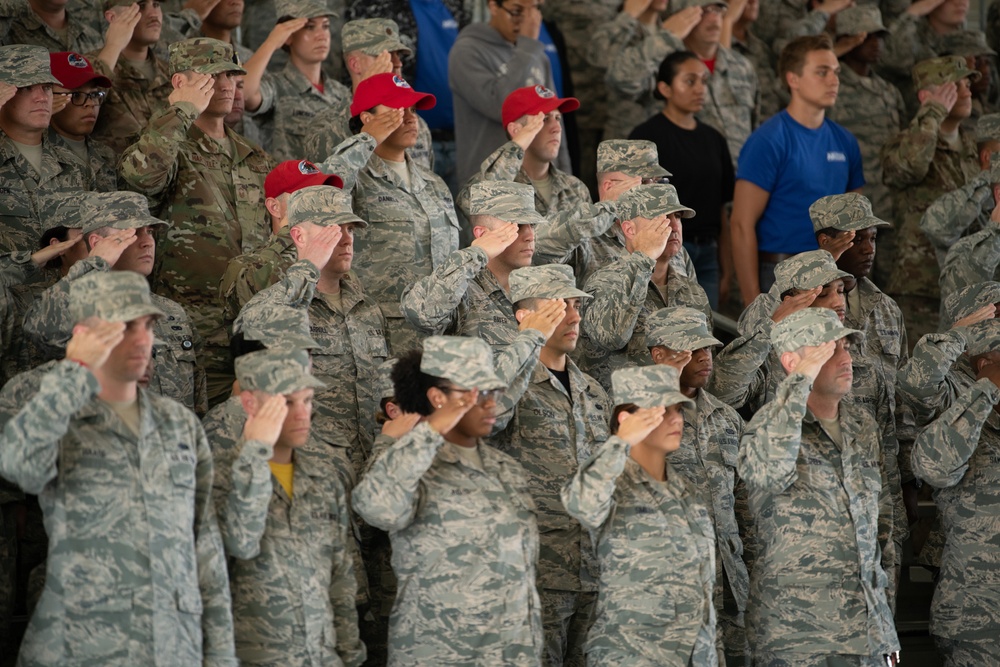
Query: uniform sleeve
(739,374)
(770,445)
(149,166)
(431,304)
(296,289)
(213,580)
(567,230)
(973,259)
(501,165)
(589,494)
(923,381)
(473,79)
(343,588)
(607,38)
(900,52)
(619,292)
(942,451)
(946,220)
(348,158)
(29,443)
(250,273)
(907,157)
(389,494)
(632,68)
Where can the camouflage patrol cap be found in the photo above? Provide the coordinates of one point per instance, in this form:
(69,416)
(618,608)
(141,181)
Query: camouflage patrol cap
(275,371)
(60,210)
(860,18)
(302,9)
(323,205)
(946,69)
(372,36)
(965,43)
(678,5)
(24,65)
(506,200)
(275,325)
(549,281)
(649,201)
(466,362)
(113,296)
(205,56)
(847,212)
(809,327)
(632,157)
(118,210)
(807,270)
(384,387)
(969,299)
(648,386)
(983,337)
(679,328)
(988,128)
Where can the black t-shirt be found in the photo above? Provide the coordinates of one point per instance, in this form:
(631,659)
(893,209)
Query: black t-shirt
(702,171)
(563,376)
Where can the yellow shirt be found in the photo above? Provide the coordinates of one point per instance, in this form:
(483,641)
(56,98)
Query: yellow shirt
(285,474)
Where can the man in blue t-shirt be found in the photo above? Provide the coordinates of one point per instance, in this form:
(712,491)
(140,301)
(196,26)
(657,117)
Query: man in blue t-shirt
(788,163)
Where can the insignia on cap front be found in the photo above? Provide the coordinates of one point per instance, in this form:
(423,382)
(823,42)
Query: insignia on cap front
(76,60)
(307,167)
(400,83)
(544,92)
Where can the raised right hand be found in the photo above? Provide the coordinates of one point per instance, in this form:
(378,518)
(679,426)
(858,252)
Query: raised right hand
(447,415)
(121,23)
(265,425)
(381,125)
(683,22)
(945,94)
(495,241)
(795,303)
(612,190)
(987,312)
(651,237)
(283,31)
(7,92)
(635,8)
(194,88)
(318,244)
(92,343)
(636,427)
(837,245)
(812,361)
(50,252)
(111,247)
(924,7)
(523,135)
(381,65)
(545,318)
(401,425)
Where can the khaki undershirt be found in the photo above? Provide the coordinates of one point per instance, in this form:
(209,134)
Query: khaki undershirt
(399,168)
(469,456)
(832,428)
(128,412)
(146,67)
(79,148)
(854,302)
(33,154)
(544,188)
(335,301)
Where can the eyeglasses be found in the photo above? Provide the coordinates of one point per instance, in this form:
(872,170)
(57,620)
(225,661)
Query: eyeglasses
(661,180)
(80,98)
(519,12)
(716,9)
(485,395)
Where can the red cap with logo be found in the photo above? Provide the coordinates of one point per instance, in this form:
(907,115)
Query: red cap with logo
(73,71)
(535,99)
(292,175)
(391,91)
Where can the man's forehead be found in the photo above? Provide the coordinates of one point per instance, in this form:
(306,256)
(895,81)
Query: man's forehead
(822,58)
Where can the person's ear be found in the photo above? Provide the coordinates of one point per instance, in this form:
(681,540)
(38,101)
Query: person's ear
(922,95)
(479,230)
(249,403)
(628,228)
(790,361)
(663,89)
(658,354)
(392,411)
(436,397)
(298,235)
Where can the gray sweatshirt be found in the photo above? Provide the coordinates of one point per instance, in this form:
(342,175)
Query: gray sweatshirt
(483,68)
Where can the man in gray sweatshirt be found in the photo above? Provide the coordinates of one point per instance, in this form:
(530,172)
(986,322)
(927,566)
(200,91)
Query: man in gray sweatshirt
(488,62)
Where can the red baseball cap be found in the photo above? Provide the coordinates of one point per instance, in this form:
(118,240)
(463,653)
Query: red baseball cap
(73,70)
(292,175)
(534,99)
(390,90)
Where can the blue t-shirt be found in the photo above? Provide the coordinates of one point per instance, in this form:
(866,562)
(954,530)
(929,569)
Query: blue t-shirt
(797,166)
(438,31)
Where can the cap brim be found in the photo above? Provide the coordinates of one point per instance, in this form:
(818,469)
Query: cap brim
(26,81)
(98,79)
(666,400)
(824,279)
(684,211)
(391,46)
(136,311)
(219,68)
(526,218)
(336,219)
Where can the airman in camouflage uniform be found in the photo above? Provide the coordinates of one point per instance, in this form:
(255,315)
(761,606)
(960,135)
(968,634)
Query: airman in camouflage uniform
(654,539)
(27,67)
(19,24)
(966,210)
(462,525)
(748,44)
(177,373)
(136,573)
(632,52)
(630,289)
(549,430)
(919,165)
(958,455)
(212,191)
(330,127)
(971,45)
(870,107)
(290,567)
(973,259)
(817,481)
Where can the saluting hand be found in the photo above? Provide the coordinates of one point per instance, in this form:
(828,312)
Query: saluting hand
(92,343)
(812,362)
(837,245)
(545,318)
(196,89)
(636,426)
(795,303)
(495,241)
(381,125)
(448,413)
(265,424)
(111,247)
(523,135)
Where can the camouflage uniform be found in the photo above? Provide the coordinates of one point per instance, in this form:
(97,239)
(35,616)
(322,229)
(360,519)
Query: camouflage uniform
(464,540)
(97,162)
(759,54)
(549,430)
(131,102)
(707,459)
(613,331)
(807,489)
(910,40)
(655,544)
(919,167)
(632,54)
(411,231)
(957,454)
(971,260)
(504,164)
(20,25)
(869,107)
(290,567)
(150,552)
(780,22)
(214,198)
